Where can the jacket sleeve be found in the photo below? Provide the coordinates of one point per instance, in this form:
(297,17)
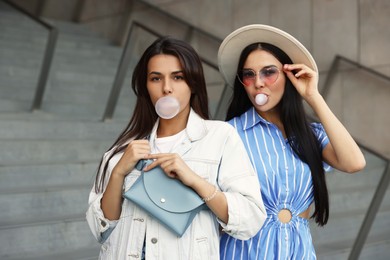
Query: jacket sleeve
(100,226)
(239,182)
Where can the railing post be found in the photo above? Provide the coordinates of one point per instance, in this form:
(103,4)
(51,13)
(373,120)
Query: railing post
(220,112)
(119,78)
(46,64)
(48,56)
(331,74)
(371,214)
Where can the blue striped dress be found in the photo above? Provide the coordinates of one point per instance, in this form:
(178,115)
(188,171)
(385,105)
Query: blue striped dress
(286,183)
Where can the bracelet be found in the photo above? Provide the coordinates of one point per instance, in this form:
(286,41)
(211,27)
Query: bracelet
(206,199)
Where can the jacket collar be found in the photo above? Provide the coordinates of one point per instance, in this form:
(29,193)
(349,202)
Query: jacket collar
(196,127)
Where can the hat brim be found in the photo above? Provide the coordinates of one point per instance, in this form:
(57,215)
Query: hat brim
(230,49)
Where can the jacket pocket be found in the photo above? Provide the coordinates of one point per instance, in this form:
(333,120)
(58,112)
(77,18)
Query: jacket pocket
(207,169)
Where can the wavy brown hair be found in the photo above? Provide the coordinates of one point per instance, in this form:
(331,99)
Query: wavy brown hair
(144,116)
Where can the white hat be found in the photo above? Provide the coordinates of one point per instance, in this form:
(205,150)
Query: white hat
(232,46)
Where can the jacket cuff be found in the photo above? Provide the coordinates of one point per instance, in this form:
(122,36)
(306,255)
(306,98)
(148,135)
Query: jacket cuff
(104,225)
(232,226)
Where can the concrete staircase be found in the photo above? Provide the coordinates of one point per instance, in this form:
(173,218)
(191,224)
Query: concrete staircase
(81,76)
(48,158)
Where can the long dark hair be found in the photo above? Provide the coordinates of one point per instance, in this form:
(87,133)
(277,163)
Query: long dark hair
(144,116)
(296,125)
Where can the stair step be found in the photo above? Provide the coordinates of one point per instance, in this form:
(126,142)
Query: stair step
(88,253)
(346,227)
(376,247)
(60,63)
(368,177)
(14,105)
(351,199)
(23,206)
(59,130)
(20,177)
(12,39)
(35,152)
(61,236)
(81,111)
(30,27)
(68,55)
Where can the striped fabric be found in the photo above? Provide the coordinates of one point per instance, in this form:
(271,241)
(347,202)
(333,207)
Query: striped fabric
(285,184)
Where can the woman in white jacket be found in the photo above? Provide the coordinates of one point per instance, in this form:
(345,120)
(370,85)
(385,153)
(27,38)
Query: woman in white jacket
(207,156)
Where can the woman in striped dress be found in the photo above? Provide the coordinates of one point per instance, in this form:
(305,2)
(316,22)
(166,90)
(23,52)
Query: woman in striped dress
(271,73)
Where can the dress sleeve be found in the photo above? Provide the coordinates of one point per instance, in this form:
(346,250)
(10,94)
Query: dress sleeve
(240,184)
(323,140)
(100,226)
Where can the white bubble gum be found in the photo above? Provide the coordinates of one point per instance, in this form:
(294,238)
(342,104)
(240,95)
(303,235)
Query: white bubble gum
(261,99)
(167,107)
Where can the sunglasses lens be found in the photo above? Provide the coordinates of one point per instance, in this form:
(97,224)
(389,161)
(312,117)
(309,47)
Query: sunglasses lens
(247,77)
(269,75)
(248,74)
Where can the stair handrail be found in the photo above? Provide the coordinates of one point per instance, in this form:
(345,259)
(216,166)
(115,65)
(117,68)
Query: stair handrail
(384,181)
(47,58)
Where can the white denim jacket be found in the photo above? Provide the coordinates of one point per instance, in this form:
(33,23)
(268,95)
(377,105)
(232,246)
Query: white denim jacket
(213,150)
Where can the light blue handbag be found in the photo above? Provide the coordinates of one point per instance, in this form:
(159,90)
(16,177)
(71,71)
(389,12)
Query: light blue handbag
(168,200)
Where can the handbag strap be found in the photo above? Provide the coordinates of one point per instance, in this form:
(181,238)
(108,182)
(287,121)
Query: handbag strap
(142,163)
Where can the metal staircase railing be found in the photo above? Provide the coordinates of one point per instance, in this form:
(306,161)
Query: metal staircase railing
(47,58)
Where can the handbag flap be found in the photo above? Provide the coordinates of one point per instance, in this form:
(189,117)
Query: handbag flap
(169,194)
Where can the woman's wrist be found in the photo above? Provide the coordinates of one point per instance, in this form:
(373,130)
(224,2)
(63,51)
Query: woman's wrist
(116,173)
(212,196)
(314,99)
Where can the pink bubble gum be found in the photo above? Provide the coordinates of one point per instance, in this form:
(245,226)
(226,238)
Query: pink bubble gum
(261,99)
(167,107)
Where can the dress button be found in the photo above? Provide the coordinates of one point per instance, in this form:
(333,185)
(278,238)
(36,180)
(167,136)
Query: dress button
(154,240)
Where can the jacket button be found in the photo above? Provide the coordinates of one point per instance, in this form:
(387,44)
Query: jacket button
(154,240)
